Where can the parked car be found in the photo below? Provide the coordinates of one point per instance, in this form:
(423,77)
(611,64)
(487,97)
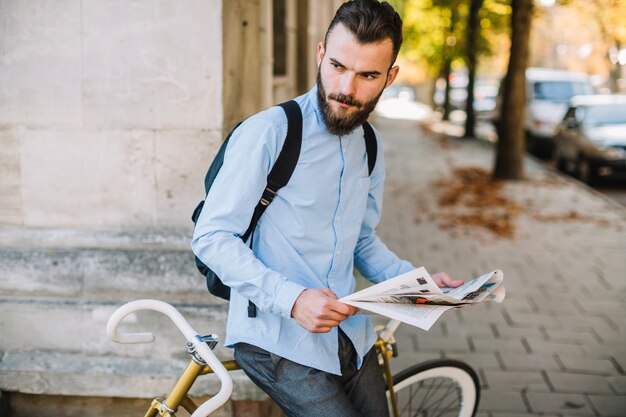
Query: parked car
(548,92)
(591,140)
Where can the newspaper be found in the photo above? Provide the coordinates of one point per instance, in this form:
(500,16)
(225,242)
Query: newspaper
(415,299)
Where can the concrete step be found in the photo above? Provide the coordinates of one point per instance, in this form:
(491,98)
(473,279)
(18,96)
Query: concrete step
(57,291)
(79,326)
(77,374)
(99,266)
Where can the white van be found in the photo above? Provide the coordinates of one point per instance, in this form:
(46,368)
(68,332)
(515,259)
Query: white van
(548,92)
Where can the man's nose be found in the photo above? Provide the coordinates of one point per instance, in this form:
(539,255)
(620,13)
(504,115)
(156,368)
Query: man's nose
(348,84)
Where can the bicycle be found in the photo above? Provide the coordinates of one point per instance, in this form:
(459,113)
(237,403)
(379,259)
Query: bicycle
(440,387)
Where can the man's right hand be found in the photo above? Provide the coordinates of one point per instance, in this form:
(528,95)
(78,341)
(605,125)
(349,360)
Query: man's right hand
(318,311)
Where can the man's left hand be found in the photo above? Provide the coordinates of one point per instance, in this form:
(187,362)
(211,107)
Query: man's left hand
(444,280)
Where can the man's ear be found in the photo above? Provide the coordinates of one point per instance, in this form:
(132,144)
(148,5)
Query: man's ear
(391,76)
(320,53)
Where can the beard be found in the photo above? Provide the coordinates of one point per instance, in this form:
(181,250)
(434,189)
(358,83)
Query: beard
(340,122)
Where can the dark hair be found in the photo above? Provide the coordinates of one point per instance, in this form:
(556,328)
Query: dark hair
(370,21)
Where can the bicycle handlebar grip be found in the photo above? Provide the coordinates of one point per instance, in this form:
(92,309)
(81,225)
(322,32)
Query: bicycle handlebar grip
(118,316)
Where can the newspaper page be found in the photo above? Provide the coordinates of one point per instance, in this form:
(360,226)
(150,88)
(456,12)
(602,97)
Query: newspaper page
(415,299)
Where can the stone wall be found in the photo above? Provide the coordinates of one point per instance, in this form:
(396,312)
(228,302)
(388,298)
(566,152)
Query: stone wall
(108,111)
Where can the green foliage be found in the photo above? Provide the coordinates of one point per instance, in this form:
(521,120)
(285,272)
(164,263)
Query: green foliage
(434,30)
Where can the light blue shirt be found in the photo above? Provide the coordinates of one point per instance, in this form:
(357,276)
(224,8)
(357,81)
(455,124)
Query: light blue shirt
(319,227)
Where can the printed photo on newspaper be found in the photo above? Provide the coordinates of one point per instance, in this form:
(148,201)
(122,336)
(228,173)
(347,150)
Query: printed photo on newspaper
(415,299)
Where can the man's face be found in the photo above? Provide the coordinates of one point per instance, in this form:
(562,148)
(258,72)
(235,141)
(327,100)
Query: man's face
(351,78)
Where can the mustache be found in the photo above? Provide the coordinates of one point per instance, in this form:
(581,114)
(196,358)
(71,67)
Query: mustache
(342,98)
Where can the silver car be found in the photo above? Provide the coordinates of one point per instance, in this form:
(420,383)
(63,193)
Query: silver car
(591,139)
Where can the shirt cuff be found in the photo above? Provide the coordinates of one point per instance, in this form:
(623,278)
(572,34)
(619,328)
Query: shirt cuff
(286,298)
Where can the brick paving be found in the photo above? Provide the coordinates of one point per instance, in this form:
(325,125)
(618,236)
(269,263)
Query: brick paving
(557,345)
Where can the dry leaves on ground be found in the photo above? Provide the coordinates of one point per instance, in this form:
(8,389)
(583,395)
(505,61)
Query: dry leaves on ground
(471,199)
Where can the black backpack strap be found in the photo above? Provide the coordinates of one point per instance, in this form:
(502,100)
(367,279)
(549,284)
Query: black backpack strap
(371,148)
(285,163)
(280,173)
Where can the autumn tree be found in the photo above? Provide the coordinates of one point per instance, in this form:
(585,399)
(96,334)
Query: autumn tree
(510,146)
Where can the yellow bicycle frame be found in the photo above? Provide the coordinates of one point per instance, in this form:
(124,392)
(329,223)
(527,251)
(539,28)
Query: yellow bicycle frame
(178,396)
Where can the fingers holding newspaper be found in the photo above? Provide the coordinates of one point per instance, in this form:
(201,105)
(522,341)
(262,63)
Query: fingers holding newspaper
(443,280)
(318,311)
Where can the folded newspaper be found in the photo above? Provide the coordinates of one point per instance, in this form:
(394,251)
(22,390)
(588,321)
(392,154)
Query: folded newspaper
(415,299)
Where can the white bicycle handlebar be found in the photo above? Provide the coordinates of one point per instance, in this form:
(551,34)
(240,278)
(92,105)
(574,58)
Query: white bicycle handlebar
(190,334)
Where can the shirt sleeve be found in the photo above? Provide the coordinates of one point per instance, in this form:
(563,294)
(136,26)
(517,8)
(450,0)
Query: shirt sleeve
(227,211)
(372,257)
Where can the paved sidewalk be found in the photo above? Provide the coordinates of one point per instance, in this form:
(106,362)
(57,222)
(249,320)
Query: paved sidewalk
(557,345)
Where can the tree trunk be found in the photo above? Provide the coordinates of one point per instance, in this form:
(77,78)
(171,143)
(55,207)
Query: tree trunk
(510,147)
(449,51)
(615,70)
(447,108)
(472,40)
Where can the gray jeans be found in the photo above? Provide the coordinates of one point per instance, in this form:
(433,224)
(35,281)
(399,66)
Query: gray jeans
(308,392)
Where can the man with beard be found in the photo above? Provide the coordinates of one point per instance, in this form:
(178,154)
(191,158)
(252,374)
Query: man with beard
(311,353)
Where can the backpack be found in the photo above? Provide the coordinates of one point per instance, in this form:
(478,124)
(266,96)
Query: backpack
(277,178)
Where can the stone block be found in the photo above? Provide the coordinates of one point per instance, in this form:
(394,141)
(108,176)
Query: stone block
(11,179)
(182,160)
(577,337)
(428,343)
(103,274)
(618,383)
(508,332)
(531,381)
(476,360)
(578,383)
(114,179)
(41,68)
(564,349)
(152,66)
(498,345)
(492,400)
(70,326)
(461,330)
(531,320)
(82,375)
(609,405)
(101,179)
(588,365)
(558,403)
(520,362)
